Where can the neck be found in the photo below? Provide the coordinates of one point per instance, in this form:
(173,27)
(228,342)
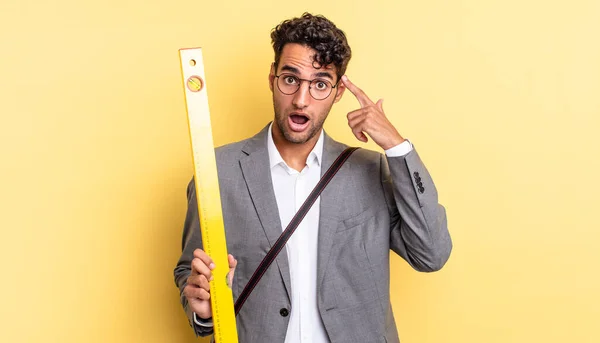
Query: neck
(294,154)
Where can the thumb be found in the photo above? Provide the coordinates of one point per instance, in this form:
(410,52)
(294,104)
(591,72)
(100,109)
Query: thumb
(232,265)
(232,261)
(380,104)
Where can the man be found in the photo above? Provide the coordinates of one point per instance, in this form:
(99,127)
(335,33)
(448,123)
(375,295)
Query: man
(331,282)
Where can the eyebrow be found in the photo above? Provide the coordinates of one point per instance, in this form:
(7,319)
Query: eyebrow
(297,71)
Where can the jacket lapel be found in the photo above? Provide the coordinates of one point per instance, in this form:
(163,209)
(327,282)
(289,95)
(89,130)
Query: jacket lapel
(330,207)
(257,175)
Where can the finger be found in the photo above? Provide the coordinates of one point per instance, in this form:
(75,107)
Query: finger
(380,104)
(356,113)
(201,294)
(201,254)
(203,283)
(362,98)
(201,268)
(232,261)
(361,136)
(358,122)
(200,281)
(357,129)
(232,264)
(192,292)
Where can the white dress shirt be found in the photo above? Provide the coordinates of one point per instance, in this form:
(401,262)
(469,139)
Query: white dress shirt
(291,188)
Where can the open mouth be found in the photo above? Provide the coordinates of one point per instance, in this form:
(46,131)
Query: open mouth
(298,122)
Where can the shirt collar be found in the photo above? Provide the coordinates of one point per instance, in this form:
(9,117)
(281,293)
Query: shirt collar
(275,158)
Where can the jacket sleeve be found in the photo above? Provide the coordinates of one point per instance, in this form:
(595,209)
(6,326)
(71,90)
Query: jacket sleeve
(418,226)
(191,240)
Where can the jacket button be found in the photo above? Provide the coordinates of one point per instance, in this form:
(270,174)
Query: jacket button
(284,312)
(417,176)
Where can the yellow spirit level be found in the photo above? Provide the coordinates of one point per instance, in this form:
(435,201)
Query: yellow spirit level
(207,192)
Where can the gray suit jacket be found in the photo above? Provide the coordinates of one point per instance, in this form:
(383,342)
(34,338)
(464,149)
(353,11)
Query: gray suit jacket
(374,203)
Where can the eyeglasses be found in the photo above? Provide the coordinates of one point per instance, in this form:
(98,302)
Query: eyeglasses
(319,89)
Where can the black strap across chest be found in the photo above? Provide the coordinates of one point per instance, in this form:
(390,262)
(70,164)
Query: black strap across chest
(289,230)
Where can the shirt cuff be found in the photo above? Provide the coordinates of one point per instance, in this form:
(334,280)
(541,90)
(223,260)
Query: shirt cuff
(400,149)
(207,323)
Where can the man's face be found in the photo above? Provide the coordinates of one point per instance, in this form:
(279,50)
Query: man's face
(299,117)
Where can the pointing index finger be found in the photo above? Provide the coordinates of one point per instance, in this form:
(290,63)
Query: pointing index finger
(362,98)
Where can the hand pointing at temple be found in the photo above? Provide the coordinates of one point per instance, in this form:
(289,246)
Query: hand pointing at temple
(370,119)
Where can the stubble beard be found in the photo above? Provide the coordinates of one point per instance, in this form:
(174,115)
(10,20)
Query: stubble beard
(313,129)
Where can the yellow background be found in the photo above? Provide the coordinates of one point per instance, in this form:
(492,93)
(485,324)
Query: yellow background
(501,98)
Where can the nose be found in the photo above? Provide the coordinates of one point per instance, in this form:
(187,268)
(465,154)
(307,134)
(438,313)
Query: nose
(302,96)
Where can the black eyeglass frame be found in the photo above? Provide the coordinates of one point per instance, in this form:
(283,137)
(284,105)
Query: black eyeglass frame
(309,85)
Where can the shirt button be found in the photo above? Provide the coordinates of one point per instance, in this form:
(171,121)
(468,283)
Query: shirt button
(284,312)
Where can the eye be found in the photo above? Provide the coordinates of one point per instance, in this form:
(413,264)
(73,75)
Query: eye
(321,85)
(290,80)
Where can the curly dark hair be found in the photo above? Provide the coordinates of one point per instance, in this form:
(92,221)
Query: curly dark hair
(318,33)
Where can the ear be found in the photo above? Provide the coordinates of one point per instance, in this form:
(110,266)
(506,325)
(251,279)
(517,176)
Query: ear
(272,76)
(341,87)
